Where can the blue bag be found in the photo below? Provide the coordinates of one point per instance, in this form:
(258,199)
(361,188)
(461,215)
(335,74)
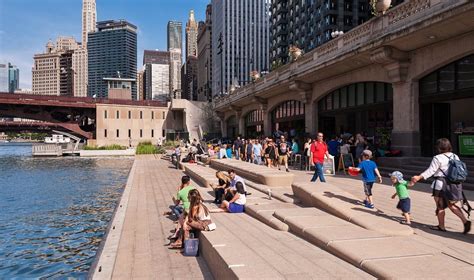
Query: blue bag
(191,247)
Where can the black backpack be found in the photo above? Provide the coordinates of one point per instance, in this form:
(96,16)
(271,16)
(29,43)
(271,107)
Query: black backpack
(457,171)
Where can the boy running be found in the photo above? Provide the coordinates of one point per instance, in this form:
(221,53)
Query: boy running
(369,170)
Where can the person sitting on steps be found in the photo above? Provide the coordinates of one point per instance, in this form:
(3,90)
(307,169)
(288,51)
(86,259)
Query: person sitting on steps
(221,188)
(236,204)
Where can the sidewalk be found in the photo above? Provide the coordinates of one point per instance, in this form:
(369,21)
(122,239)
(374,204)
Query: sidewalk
(142,251)
(452,242)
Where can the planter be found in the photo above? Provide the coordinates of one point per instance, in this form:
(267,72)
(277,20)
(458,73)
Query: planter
(381,6)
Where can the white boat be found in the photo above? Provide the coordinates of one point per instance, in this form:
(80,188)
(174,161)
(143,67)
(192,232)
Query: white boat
(57,139)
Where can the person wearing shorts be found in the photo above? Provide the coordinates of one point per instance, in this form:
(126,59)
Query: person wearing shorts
(237,203)
(401,188)
(369,170)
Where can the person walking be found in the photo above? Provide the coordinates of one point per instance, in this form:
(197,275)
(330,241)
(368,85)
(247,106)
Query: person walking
(361,145)
(443,197)
(319,150)
(283,151)
(236,147)
(257,152)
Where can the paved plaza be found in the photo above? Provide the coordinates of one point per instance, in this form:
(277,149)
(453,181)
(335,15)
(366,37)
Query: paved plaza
(245,247)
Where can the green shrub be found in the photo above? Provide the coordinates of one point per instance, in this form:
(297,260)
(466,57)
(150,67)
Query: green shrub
(147,148)
(108,148)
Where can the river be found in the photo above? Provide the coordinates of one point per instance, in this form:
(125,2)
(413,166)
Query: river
(54,211)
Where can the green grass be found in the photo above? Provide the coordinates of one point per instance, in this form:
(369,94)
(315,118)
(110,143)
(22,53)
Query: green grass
(109,147)
(147,148)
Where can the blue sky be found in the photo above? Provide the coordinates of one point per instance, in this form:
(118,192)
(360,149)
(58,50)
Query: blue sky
(26,25)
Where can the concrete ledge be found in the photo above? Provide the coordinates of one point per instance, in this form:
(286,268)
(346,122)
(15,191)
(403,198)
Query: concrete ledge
(107,153)
(265,214)
(253,172)
(280,193)
(203,175)
(345,206)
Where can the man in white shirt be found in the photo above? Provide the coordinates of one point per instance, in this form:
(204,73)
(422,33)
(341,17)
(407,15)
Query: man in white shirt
(234,179)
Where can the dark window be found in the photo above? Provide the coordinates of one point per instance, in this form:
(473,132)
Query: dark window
(360,94)
(379,92)
(152,115)
(141,133)
(344,97)
(129,133)
(446,78)
(118,133)
(117,115)
(105,133)
(141,114)
(105,114)
(129,114)
(152,133)
(352,95)
(465,72)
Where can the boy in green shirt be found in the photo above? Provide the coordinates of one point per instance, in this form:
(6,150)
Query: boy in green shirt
(182,195)
(401,188)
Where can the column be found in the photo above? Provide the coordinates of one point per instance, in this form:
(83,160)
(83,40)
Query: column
(406,118)
(267,123)
(240,123)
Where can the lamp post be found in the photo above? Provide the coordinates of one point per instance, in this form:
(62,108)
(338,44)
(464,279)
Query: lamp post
(336,33)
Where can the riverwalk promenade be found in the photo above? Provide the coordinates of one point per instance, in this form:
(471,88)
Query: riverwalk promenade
(285,237)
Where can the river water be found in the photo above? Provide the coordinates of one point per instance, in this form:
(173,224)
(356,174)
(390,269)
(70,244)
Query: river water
(54,211)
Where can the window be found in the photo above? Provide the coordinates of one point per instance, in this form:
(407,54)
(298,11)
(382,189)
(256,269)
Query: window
(141,133)
(129,133)
(152,133)
(118,133)
(141,114)
(163,133)
(117,115)
(152,115)
(105,133)
(105,114)
(129,114)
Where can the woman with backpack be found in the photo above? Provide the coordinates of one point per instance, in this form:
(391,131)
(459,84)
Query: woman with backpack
(446,193)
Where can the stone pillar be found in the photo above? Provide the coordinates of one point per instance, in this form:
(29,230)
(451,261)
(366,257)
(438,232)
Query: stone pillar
(406,118)
(240,123)
(267,123)
(223,124)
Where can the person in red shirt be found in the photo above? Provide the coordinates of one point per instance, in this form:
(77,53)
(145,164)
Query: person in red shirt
(319,150)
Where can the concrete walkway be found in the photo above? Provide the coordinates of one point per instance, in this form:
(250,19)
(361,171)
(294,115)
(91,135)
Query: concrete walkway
(142,251)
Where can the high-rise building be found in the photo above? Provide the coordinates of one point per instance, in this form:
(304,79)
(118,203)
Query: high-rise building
(79,66)
(4,86)
(157,75)
(13,78)
(189,79)
(52,72)
(175,34)
(308,24)
(112,53)
(191,36)
(89,19)
(141,85)
(64,43)
(240,41)
(204,64)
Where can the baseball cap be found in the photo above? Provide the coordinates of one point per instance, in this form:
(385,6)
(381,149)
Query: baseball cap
(398,175)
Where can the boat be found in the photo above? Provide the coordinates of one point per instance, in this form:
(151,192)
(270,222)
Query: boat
(57,139)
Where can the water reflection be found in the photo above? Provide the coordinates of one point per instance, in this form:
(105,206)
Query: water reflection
(54,211)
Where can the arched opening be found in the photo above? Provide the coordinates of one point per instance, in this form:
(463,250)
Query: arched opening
(254,124)
(365,107)
(446,102)
(288,118)
(232,127)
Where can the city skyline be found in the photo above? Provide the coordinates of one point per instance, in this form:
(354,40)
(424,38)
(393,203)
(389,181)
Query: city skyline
(151,17)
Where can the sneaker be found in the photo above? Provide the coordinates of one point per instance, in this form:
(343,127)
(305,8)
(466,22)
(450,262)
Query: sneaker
(287,170)
(467,227)
(371,206)
(366,202)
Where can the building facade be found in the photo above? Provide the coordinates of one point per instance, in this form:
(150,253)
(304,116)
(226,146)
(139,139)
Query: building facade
(204,63)
(141,85)
(13,78)
(240,42)
(89,19)
(403,79)
(112,53)
(79,66)
(191,36)
(157,72)
(189,79)
(175,34)
(4,77)
(53,72)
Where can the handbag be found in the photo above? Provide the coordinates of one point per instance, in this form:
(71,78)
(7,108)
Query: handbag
(191,246)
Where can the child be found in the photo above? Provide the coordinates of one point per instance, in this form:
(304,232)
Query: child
(402,192)
(369,170)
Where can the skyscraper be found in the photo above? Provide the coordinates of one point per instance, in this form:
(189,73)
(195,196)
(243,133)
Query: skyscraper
(204,67)
(112,53)
(13,78)
(240,41)
(157,72)
(89,18)
(4,77)
(191,36)
(52,72)
(175,33)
